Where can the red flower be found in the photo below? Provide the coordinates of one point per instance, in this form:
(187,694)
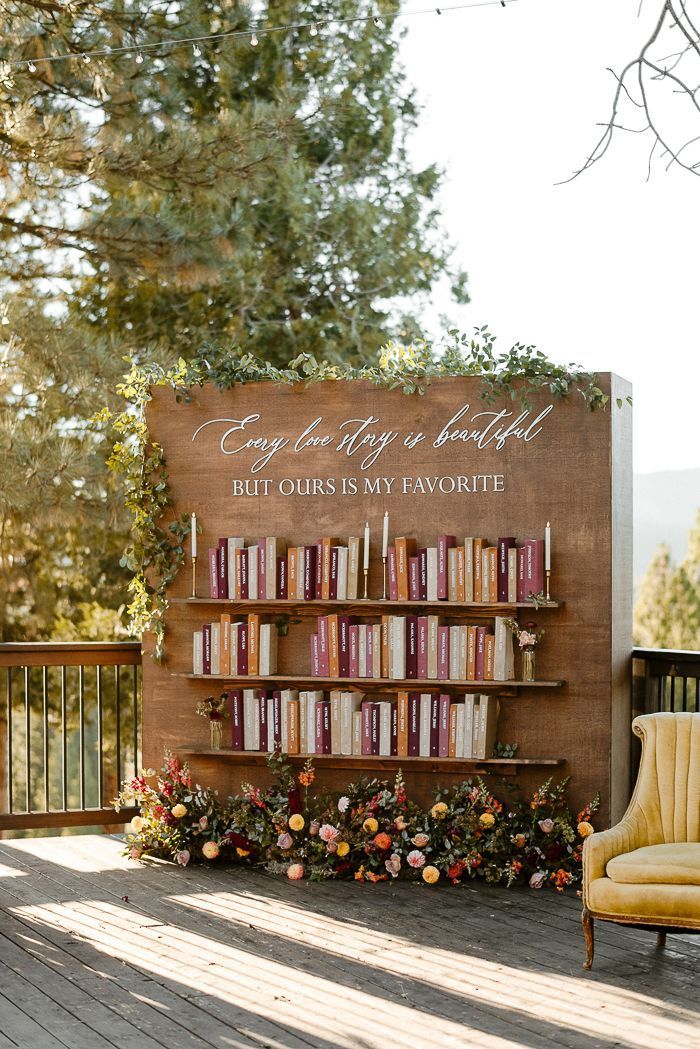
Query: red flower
(239,841)
(382,841)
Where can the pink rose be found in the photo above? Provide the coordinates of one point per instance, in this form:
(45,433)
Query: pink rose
(546,826)
(313,828)
(328,832)
(538,879)
(295,871)
(135,852)
(415,858)
(527,639)
(421,840)
(285,841)
(183,857)
(393,864)
(332,846)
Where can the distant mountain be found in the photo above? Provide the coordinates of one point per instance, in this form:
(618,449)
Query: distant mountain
(665,505)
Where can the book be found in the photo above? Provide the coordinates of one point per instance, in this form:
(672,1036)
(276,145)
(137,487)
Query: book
(434,726)
(268,649)
(477,568)
(459,709)
(253,645)
(503,661)
(263,742)
(344,623)
(422,655)
(424,725)
(452,738)
(433,623)
(357,733)
(504,545)
(315,664)
(235,698)
(488,657)
(288,696)
(242,556)
(262,568)
(397,647)
(300,573)
(394,741)
(445,542)
(292,581)
(471,653)
(432,563)
(334,699)
(469,570)
(521,584)
(362,650)
(293,726)
(353,568)
(384,718)
(443,725)
(452,573)
(274,721)
(492,552)
(233,647)
(281,580)
(198,652)
(413,579)
(376,631)
(385,629)
(353,658)
(251,734)
(423,574)
(206,648)
(368,639)
(333,581)
(443,654)
(481,632)
(405,549)
(242,650)
(312,698)
(413,724)
(534,567)
(319,569)
(253,593)
(222,568)
(488,726)
(375,729)
(323,654)
(463,641)
(309,573)
(468,741)
(327,543)
(366,711)
(350,705)
(233,543)
(460,574)
(453,653)
(225,644)
(402,724)
(411,627)
(274,551)
(216,648)
(393,578)
(512,575)
(342,588)
(213,555)
(333,663)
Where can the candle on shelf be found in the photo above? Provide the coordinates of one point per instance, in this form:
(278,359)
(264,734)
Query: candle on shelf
(366,561)
(548,548)
(385,535)
(193,533)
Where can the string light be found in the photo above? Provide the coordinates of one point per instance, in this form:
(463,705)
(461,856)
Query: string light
(140,50)
(86,59)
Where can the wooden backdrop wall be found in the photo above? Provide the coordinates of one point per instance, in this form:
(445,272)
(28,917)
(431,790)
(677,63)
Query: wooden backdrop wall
(573,470)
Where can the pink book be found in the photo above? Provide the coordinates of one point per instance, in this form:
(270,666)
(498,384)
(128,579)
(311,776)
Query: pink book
(413,724)
(222,568)
(443,653)
(393,577)
(444,544)
(370,652)
(411,646)
(318,575)
(236,700)
(262,722)
(481,632)
(262,564)
(394,729)
(353,662)
(323,657)
(214,572)
(313,641)
(413,579)
(444,731)
(367,727)
(434,726)
(521,595)
(534,567)
(422,668)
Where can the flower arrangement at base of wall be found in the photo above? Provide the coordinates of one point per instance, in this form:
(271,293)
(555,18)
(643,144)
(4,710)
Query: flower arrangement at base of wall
(373,832)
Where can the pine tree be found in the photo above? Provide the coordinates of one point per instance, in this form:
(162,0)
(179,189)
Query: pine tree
(667,610)
(253,196)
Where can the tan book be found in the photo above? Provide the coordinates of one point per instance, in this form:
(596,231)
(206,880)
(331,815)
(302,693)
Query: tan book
(488,726)
(503,660)
(293,726)
(454,654)
(350,704)
(335,720)
(300,573)
(292,568)
(489,652)
(476,712)
(198,652)
(233,543)
(433,622)
(402,738)
(238,558)
(478,564)
(463,639)
(460,736)
(386,622)
(376,650)
(357,732)
(468,570)
(405,548)
(493,573)
(452,746)
(460,573)
(216,648)
(326,543)
(452,573)
(333,649)
(303,722)
(484,573)
(513,575)
(235,627)
(267,663)
(468,741)
(225,641)
(353,567)
(253,644)
(471,653)
(274,548)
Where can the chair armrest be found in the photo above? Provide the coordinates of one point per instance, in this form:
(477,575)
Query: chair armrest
(599,848)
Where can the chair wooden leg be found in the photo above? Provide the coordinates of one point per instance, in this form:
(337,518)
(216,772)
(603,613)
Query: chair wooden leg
(587,922)
(661,939)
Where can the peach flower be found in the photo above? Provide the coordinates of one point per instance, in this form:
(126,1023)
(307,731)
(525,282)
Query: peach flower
(296,822)
(328,832)
(415,858)
(210,850)
(295,871)
(584,828)
(431,875)
(370,826)
(421,840)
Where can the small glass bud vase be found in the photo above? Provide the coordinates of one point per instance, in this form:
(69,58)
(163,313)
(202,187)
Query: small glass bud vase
(216,733)
(529,663)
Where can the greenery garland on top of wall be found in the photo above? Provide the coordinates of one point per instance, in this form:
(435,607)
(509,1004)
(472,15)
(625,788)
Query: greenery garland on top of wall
(158,551)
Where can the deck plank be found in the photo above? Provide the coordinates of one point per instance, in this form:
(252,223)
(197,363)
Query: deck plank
(234,957)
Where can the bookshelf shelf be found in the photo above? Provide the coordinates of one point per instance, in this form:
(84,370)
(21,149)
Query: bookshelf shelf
(365,608)
(369,683)
(503,766)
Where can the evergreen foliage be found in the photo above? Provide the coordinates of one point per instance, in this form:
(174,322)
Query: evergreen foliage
(667,610)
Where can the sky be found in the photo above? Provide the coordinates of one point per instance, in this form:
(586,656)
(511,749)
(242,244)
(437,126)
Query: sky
(602,271)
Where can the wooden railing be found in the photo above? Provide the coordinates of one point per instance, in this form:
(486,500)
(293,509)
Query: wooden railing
(69,732)
(664,679)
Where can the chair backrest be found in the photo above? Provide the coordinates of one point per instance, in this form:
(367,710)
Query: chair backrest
(668,784)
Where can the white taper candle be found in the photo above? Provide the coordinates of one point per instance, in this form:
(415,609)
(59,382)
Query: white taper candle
(366,561)
(548,548)
(385,534)
(193,533)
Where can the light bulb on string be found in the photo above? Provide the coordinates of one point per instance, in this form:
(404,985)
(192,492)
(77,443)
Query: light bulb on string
(254,40)
(139,58)
(196,50)
(314,30)
(377,22)
(31,67)
(85,58)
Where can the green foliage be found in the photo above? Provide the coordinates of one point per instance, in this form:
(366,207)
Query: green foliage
(157,551)
(667,609)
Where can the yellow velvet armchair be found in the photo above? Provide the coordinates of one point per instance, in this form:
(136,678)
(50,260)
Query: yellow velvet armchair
(645,871)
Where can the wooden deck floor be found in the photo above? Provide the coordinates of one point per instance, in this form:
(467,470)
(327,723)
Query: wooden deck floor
(98,951)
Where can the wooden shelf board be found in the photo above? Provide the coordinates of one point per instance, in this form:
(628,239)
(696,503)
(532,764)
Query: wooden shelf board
(366,683)
(361,607)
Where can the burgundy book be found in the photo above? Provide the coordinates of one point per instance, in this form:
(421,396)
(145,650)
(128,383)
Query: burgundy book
(434,726)
(313,644)
(394,729)
(206,648)
(344,623)
(309,573)
(236,700)
(393,576)
(444,733)
(413,579)
(411,646)
(276,726)
(262,721)
(504,545)
(413,724)
(262,566)
(322,723)
(242,651)
(323,655)
(375,729)
(367,727)
(444,544)
(422,668)
(222,568)
(318,577)
(353,658)
(534,567)
(282,578)
(521,595)
(443,653)
(214,572)
(333,583)
(244,573)
(423,574)
(481,632)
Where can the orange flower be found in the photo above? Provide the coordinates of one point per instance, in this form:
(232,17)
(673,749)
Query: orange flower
(371,876)
(360,874)
(306,778)
(382,840)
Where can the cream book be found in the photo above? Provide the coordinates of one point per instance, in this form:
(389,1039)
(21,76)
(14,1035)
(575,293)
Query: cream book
(233,544)
(251,730)
(433,623)
(303,722)
(362,650)
(513,574)
(397,647)
(459,732)
(289,695)
(335,720)
(468,741)
(353,567)
(198,652)
(424,725)
(488,726)
(350,704)
(452,573)
(469,570)
(268,649)
(253,573)
(376,629)
(432,561)
(357,732)
(384,729)
(504,663)
(233,654)
(453,672)
(274,548)
(312,698)
(300,572)
(462,661)
(216,648)
(342,581)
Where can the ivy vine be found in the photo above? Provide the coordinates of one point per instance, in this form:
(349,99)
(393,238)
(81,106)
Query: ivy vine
(157,549)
